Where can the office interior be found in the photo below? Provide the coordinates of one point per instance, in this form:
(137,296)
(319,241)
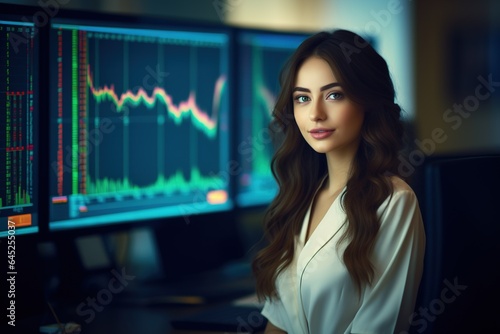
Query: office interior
(153,274)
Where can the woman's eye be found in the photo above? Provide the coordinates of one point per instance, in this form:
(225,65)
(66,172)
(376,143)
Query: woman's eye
(335,96)
(301,98)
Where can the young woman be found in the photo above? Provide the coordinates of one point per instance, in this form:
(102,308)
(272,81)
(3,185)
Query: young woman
(345,235)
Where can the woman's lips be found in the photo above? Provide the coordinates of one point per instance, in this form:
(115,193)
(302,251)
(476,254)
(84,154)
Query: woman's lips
(321,133)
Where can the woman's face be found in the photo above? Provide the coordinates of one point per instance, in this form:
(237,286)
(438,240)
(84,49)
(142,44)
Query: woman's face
(328,120)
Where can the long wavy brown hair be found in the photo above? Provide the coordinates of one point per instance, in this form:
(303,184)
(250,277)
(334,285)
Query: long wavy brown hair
(298,169)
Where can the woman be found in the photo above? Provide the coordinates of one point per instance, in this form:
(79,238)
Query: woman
(345,235)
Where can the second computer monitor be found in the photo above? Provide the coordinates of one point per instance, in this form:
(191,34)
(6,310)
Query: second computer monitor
(261,56)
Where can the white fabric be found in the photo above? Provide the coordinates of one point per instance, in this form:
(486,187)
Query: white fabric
(317,295)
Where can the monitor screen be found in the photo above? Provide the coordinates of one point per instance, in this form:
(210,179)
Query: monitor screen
(139,122)
(18,126)
(261,58)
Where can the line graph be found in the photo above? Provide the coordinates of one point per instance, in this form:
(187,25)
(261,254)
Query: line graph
(178,113)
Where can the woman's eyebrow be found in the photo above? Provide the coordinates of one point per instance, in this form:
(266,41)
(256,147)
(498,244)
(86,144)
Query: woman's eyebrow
(325,87)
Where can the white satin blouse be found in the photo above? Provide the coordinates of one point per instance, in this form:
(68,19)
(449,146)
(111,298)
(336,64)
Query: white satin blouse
(316,293)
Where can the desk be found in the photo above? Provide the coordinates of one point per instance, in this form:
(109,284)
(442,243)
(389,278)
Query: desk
(140,308)
(120,319)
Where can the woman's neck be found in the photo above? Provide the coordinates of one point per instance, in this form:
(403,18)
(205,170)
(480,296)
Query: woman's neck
(339,167)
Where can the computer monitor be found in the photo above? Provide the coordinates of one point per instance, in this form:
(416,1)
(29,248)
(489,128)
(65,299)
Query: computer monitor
(19,145)
(261,56)
(139,121)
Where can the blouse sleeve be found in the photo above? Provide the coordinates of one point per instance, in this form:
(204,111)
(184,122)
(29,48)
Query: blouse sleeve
(398,261)
(274,312)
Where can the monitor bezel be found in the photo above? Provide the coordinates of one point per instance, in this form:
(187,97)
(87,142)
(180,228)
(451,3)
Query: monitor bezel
(66,16)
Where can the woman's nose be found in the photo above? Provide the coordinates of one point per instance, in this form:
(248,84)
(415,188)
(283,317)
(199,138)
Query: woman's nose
(317,112)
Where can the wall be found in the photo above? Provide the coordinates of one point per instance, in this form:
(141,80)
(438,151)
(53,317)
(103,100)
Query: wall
(476,129)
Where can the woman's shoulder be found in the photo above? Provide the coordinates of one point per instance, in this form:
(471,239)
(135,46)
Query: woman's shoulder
(401,191)
(402,201)
(400,186)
